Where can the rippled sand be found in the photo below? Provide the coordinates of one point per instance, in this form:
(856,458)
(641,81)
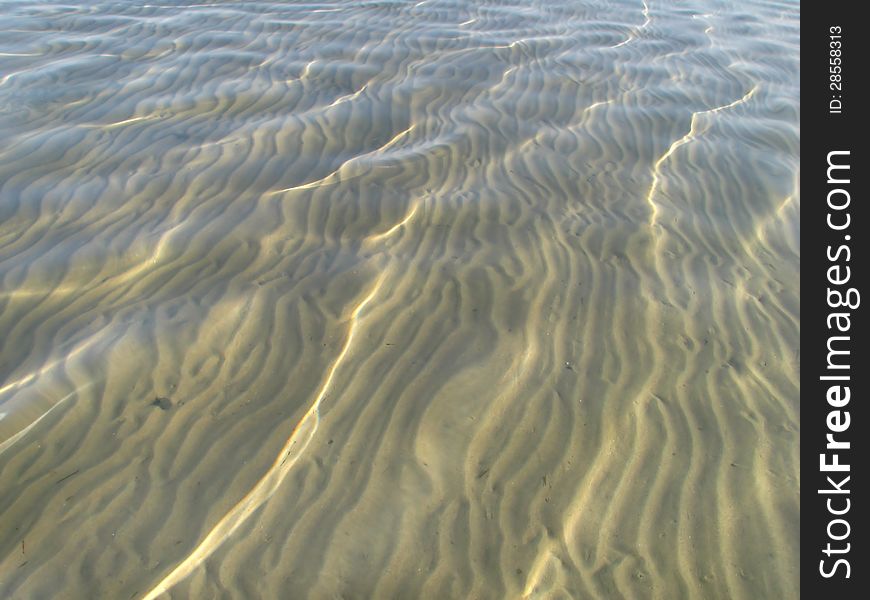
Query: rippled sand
(430,299)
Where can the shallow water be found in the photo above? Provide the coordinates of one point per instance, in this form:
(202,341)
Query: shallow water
(399,300)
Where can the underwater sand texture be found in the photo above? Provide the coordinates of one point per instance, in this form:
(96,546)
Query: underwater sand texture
(429,299)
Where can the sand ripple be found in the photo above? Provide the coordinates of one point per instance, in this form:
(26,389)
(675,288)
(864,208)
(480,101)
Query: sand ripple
(427,299)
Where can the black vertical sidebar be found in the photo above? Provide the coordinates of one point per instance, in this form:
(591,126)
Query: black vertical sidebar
(834,368)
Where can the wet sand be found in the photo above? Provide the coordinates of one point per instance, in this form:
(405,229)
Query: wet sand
(399,300)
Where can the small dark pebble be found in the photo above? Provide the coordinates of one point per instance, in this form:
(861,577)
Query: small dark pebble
(162,403)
